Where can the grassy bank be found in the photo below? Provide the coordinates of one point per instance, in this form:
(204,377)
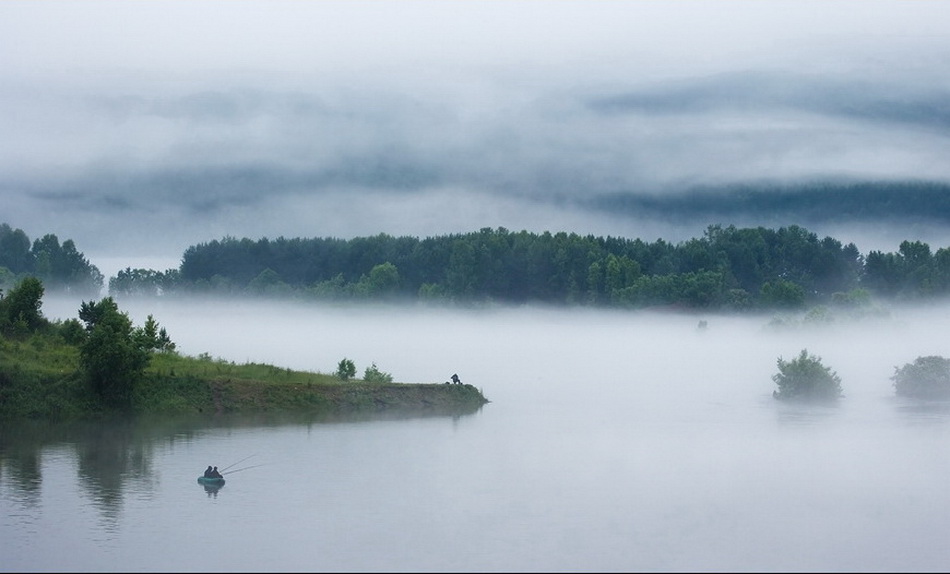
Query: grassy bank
(40,378)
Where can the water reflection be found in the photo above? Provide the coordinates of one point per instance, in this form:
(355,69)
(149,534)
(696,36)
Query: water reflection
(212,489)
(803,413)
(922,412)
(20,464)
(114,457)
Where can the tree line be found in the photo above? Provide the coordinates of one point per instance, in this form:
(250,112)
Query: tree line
(728,268)
(61,267)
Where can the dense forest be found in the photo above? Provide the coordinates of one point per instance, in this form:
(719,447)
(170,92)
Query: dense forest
(728,268)
(61,267)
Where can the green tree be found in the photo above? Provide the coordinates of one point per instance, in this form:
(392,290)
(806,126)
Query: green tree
(383,280)
(153,337)
(268,282)
(926,378)
(703,289)
(595,282)
(64,267)
(15,250)
(431,292)
(461,275)
(806,378)
(72,331)
(345,369)
(738,299)
(112,357)
(782,294)
(333,288)
(142,282)
(941,271)
(20,309)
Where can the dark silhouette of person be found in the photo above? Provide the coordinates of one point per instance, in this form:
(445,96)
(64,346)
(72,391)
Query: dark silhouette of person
(208,472)
(215,473)
(456,380)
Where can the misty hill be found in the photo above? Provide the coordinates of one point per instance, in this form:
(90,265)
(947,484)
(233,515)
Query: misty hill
(822,201)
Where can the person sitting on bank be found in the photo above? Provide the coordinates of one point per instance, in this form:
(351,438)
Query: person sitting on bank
(208,472)
(456,380)
(215,473)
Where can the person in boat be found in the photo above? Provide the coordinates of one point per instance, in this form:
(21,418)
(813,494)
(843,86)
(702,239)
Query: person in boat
(456,379)
(208,471)
(215,473)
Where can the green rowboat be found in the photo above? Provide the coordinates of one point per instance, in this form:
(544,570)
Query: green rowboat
(210,481)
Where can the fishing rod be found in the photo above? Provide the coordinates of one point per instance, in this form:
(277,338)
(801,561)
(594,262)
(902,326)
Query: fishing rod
(238,462)
(245,468)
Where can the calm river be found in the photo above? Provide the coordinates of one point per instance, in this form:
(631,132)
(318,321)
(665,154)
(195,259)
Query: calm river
(613,442)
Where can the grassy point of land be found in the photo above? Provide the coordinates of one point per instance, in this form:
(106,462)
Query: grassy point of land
(40,378)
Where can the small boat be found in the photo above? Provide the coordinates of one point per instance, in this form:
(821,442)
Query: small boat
(208,481)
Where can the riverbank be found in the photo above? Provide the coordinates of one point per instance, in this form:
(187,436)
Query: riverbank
(40,379)
(227,395)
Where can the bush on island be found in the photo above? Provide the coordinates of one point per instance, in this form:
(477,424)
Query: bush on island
(806,378)
(926,378)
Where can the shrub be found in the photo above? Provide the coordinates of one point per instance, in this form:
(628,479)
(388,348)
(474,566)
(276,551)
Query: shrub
(72,331)
(374,375)
(345,369)
(925,378)
(20,309)
(806,378)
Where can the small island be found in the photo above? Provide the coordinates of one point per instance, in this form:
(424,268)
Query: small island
(101,364)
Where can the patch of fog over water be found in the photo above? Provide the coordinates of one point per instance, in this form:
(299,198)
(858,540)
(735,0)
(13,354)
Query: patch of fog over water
(530,345)
(625,440)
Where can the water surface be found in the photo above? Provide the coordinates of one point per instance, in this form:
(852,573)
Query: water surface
(613,442)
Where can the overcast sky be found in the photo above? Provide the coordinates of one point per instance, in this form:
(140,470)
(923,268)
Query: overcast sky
(140,128)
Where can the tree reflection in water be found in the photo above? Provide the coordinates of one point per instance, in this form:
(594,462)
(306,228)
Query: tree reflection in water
(114,456)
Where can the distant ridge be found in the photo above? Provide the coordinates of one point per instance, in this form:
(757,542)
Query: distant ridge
(813,202)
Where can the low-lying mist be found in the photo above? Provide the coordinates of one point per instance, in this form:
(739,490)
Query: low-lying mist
(656,355)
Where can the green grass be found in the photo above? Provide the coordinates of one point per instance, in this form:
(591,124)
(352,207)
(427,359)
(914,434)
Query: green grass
(40,378)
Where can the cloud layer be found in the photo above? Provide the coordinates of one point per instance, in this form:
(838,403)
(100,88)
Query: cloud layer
(142,128)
